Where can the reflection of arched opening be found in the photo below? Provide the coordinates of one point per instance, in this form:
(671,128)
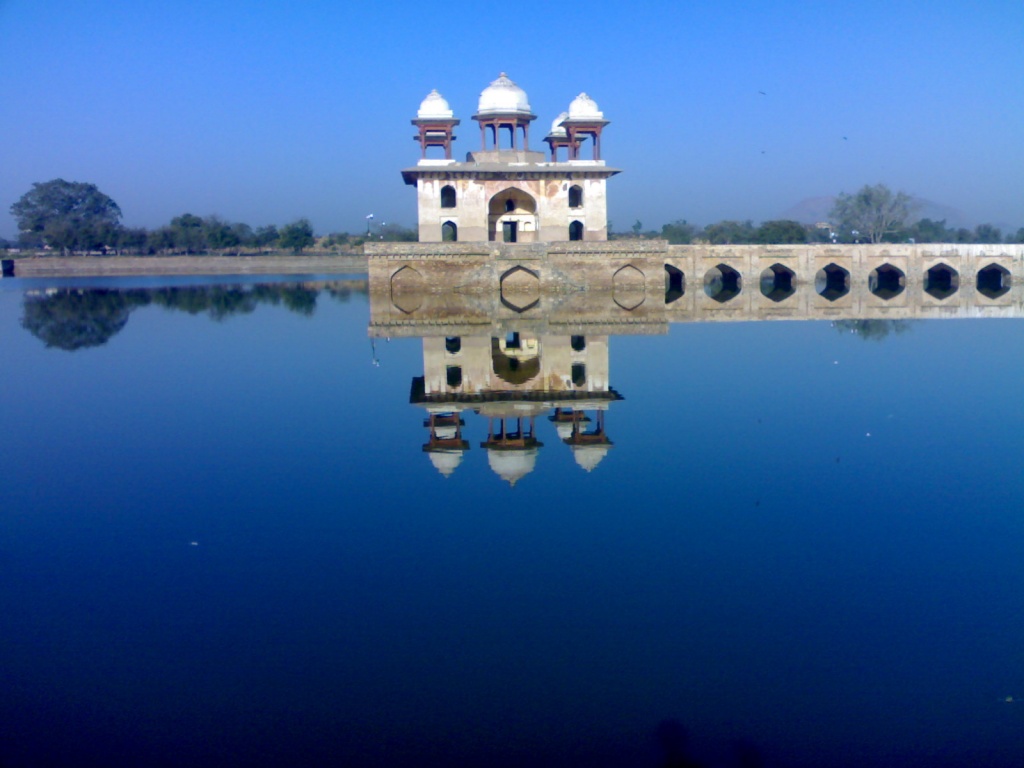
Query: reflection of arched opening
(454,375)
(941,281)
(579,375)
(832,282)
(993,281)
(887,281)
(575,196)
(453,344)
(576,230)
(512,217)
(777,282)
(513,369)
(675,283)
(448,196)
(449,232)
(722,283)
(578,343)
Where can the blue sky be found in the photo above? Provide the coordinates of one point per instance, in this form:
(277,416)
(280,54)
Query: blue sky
(266,111)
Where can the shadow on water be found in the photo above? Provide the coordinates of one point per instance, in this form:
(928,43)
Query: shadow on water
(74,318)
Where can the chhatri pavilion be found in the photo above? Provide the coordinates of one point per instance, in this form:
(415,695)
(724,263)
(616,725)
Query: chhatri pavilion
(507,192)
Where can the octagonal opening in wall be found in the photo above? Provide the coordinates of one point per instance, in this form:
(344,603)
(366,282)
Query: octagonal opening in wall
(777,282)
(520,289)
(941,281)
(832,282)
(722,283)
(407,289)
(628,288)
(887,281)
(994,281)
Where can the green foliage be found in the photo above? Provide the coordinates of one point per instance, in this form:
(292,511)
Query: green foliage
(729,232)
(70,215)
(870,213)
(637,227)
(679,232)
(297,235)
(986,233)
(265,237)
(782,231)
(929,231)
(188,233)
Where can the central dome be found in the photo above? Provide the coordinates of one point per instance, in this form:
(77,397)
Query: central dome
(503,97)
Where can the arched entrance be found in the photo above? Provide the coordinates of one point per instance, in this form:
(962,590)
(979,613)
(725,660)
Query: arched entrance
(512,217)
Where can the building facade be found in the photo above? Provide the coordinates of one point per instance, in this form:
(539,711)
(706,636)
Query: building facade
(507,192)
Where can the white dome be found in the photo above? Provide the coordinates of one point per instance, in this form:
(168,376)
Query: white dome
(584,108)
(435,107)
(589,456)
(564,429)
(557,129)
(503,97)
(512,465)
(445,462)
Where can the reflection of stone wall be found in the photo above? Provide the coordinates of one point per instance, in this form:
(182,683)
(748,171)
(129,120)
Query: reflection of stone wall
(620,285)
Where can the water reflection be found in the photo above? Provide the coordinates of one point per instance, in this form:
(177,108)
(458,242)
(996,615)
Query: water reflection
(78,318)
(512,381)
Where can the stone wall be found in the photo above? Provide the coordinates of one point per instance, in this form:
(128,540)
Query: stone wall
(647,282)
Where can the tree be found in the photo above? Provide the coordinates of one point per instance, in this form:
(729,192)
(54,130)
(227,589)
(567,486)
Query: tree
(781,231)
(70,215)
(679,232)
(729,232)
(929,231)
(872,212)
(987,233)
(189,233)
(266,236)
(297,235)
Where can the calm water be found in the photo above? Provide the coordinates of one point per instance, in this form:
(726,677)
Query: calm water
(222,543)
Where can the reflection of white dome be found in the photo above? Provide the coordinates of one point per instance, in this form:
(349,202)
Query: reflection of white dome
(584,108)
(435,107)
(557,129)
(503,97)
(445,462)
(512,465)
(589,456)
(564,429)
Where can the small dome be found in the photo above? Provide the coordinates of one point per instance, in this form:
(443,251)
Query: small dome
(434,107)
(589,456)
(557,129)
(445,462)
(503,97)
(564,429)
(584,108)
(511,466)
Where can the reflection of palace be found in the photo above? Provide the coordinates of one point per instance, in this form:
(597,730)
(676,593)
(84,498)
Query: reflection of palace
(512,381)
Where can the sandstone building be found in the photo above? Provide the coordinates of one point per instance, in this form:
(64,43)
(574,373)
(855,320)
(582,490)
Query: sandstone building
(507,192)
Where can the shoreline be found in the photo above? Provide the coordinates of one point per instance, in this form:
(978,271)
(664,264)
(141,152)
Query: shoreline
(158,266)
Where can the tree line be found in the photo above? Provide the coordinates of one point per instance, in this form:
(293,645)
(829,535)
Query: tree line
(76,217)
(873,214)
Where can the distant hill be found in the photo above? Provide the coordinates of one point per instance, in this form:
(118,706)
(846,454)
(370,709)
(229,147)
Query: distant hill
(811,210)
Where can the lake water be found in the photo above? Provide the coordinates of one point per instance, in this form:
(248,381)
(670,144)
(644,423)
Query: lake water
(222,541)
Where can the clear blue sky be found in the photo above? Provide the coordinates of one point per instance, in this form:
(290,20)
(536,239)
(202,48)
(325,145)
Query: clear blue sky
(266,111)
